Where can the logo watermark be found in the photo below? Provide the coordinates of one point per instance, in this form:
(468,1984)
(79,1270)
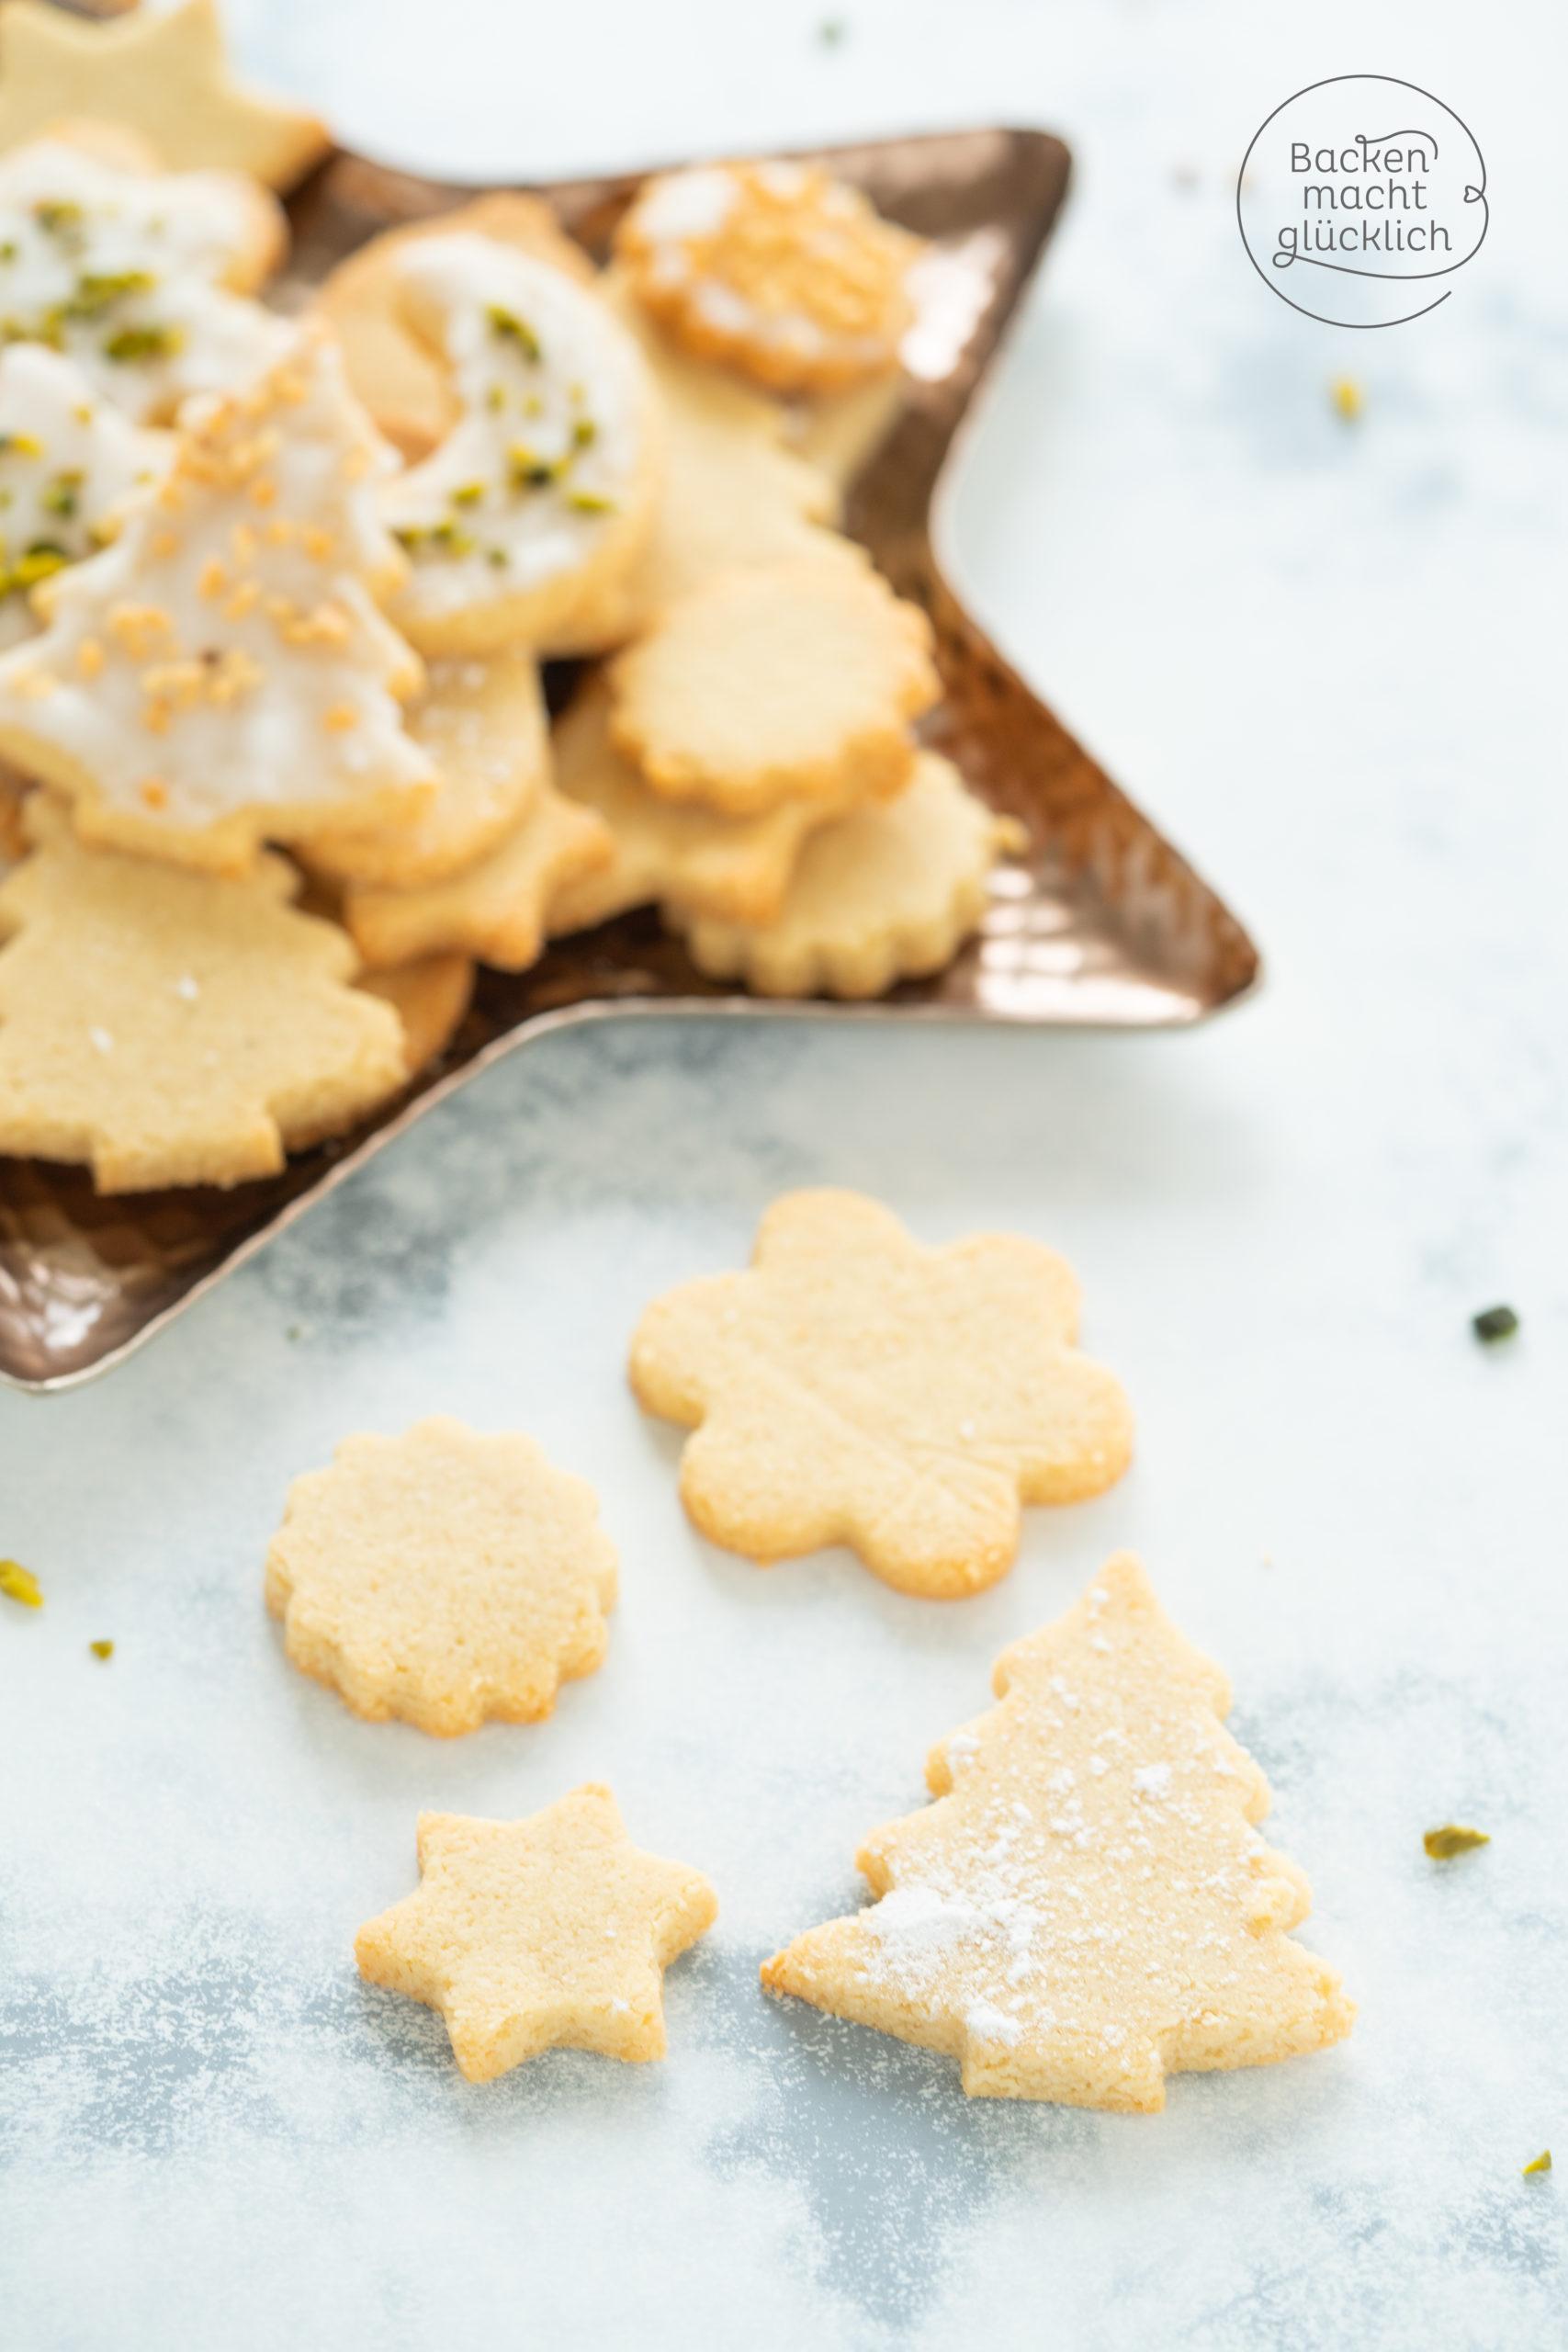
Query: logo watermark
(1358,198)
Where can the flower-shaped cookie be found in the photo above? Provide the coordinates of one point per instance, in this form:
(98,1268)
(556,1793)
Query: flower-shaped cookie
(443,1576)
(854,1388)
(546,1934)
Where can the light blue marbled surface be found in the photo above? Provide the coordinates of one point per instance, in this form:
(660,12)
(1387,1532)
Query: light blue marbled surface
(1326,660)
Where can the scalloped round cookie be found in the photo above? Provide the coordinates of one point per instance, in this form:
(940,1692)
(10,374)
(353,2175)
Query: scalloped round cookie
(885,894)
(797,679)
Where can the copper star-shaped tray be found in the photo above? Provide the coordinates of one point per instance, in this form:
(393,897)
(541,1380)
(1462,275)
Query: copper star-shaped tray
(1101,923)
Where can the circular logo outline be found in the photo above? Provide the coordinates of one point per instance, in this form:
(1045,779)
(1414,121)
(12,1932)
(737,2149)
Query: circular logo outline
(1361,326)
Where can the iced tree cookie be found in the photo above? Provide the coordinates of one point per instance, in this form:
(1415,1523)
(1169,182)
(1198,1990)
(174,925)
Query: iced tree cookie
(777,268)
(551,1933)
(176,1028)
(165,74)
(497,910)
(430,997)
(731,869)
(221,675)
(403,383)
(483,724)
(886,894)
(795,682)
(543,493)
(137,273)
(1087,1907)
(444,1577)
(853,1388)
(68,462)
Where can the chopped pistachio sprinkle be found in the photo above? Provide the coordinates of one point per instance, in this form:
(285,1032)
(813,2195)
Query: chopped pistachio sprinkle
(1494,1323)
(141,343)
(18,1584)
(101,1649)
(507,324)
(1454,1837)
(1543,2161)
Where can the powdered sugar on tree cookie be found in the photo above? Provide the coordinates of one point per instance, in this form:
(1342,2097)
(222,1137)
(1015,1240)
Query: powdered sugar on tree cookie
(221,675)
(1087,1907)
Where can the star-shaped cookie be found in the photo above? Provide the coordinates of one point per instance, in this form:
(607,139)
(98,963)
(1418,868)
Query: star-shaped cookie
(165,74)
(853,1388)
(443,1576)
(549,1933)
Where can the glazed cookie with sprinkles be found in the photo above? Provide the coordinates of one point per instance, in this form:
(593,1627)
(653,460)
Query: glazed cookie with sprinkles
(176,1028)
(795,680)
(541,496)
(888,893)
(221,675)
(1087,1907)
(779,269)
(137,273)
(68,462)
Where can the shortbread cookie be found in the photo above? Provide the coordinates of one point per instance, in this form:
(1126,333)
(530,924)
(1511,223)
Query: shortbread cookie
(1087,1908)
(731,869)
(886,894)
(496,909)
(543,493)
(165,74)
(402,382)
(176,1028)
(734,497)
(777,268)
(430,998)
(135,274)
(68,462)
(444,1577)
(854,1387)
(797,682)
(220,674)
(483,724)
(551,1933)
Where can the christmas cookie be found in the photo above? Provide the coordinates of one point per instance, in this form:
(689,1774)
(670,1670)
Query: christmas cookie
(886,894)
(162,73)
(1087,1907)
(483,724)
(68,461)
(176,1028)
(728,869)
(551,1933)
(853,1388)
(430,998)
(136,274)
(796,682)
(542,494)
(443,1577)
(402,382)
(734,496)
(220,674)
(777,268)
(497,910)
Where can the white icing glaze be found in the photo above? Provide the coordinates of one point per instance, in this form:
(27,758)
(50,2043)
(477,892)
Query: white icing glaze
(67,461)
(552,436)
(694,203)
(224,653)
(120,270)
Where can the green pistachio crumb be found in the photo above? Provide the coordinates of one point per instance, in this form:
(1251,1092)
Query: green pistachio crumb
(1494,1323)
(588,502)
(512,329)
(1454,1837)
(143,342)
(470,496)
(101,1649)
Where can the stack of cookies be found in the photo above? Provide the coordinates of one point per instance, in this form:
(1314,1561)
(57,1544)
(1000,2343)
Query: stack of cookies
(269,588)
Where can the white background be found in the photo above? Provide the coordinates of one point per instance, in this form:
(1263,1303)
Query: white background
(1326,658)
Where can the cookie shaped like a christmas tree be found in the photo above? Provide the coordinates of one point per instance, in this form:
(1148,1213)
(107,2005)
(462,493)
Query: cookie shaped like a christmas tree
(1087,1907)
(221,675)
